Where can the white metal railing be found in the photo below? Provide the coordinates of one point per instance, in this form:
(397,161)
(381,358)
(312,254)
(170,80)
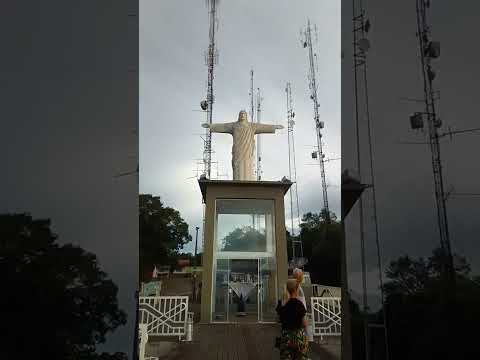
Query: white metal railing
(326,316)
(164,315)
(142,339)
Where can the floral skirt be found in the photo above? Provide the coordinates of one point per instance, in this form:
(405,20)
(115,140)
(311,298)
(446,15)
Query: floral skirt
(294,344)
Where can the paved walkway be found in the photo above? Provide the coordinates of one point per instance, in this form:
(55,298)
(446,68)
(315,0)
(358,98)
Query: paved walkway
(229,342)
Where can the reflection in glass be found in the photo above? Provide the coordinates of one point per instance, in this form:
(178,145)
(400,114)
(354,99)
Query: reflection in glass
(268,289)
(244,281)
(245,225)
(221,291)
(245,288)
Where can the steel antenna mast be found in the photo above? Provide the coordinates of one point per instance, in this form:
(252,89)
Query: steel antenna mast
(430,50)
(361,44)
(252,97)
(211,59)
(307,43)
(292,174)
(259,154)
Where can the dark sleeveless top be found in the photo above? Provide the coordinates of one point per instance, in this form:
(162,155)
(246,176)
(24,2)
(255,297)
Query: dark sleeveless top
(291,314)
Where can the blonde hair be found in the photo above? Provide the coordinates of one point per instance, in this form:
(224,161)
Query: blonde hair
(298,274)
(292,286)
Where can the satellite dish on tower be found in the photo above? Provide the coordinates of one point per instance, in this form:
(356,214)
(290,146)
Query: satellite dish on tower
(204,104)
(433,49)
(364,44)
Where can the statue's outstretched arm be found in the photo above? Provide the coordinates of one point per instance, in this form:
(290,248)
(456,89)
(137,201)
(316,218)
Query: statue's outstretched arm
(266,128)
(219,128)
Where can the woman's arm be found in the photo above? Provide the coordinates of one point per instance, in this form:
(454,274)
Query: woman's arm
(284,295)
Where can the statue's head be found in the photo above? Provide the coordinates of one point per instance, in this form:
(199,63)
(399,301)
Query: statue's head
(242,116)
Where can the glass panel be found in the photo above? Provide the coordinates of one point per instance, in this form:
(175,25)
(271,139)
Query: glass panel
(245,225)
(221,291)
(268,289)
(243,287)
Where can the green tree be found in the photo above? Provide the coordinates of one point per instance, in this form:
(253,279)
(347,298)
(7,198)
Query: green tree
(163,233)
(424,321)
(58,303)
(244,239)
(322,247)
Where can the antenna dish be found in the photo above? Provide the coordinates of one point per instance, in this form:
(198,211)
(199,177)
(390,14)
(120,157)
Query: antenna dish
(433,49)
(364,44)
(204,104)
(366,26)
(304,44)
(416,121)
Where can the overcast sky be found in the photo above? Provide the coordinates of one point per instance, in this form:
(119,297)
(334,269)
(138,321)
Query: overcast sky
(68,110)
(404,177)
(263,36)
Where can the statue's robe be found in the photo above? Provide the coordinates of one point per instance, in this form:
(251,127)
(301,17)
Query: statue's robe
(243,145)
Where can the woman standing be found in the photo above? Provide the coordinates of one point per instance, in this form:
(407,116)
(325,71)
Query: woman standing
(294,342)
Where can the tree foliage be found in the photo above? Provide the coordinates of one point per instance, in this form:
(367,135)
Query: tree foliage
(244,239)
(163,233)
(428,319)
(58,303)
(321,246)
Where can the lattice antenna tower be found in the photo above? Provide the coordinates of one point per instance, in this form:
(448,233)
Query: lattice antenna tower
(211,59)
(430,50)
(252,98)
(292,171)
(307,43)
(259,153)
(361,45)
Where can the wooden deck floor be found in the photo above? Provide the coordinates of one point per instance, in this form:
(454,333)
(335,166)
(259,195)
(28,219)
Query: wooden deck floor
(229,342)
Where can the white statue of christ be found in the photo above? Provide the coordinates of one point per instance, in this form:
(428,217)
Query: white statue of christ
(243,147)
